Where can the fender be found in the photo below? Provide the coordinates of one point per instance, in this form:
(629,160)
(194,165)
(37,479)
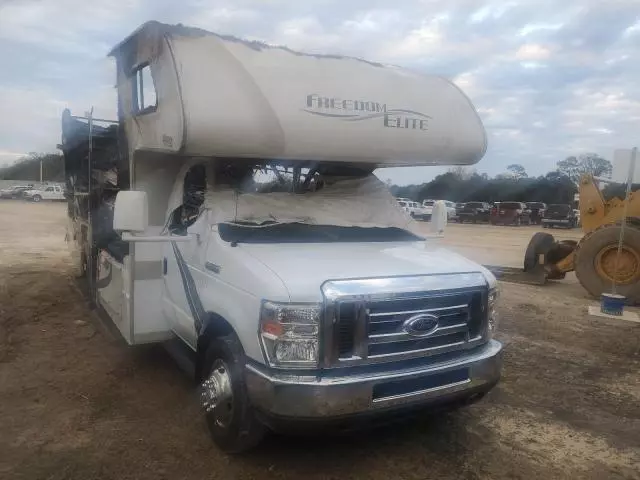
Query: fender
(213,327)
(208,325)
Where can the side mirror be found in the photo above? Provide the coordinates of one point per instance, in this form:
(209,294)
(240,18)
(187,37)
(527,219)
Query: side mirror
(439,218)
(131,212)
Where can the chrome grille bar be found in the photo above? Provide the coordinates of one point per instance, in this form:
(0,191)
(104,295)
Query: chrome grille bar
(424,310)
(379,308)
(405,337)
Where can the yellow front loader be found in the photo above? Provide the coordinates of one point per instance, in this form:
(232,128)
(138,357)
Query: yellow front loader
(595,257)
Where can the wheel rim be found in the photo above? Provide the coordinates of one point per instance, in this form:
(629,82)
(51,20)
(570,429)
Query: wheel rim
(628,269)
(217,394)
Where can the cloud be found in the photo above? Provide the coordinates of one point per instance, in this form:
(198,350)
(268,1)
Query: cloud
(548,79)
(532,52)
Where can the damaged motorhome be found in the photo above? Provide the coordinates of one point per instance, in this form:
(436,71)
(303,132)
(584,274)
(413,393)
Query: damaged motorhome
(231,213)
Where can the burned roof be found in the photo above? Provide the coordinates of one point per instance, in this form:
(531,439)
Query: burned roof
(158,29)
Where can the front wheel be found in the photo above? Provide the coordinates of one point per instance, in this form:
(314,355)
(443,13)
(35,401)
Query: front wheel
(232,421)
(37,198)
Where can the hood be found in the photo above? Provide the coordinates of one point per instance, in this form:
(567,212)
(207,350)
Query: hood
(303,268)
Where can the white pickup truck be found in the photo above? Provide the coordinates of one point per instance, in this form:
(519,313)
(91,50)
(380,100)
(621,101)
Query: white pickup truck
(414,209)
(50,192)
(249,235)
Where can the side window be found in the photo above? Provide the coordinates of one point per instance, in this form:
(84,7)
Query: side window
(145,99)
(193,192)
(49,189)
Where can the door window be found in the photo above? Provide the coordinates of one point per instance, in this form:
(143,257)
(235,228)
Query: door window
(193,191)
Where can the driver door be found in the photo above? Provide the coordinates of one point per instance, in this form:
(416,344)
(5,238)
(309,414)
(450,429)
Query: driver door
(184,261)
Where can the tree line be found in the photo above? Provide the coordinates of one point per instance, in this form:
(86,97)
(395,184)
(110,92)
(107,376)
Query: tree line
(459,184)
(28,168)
(462,184)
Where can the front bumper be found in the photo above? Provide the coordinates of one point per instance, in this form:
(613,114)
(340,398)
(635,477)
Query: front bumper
(556,221)
(290,396)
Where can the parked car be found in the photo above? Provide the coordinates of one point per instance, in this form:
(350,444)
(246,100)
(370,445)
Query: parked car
(510,213)
(427,205)
(537,211)
(412,208)
(451,209)
(420,212)
(560,215)
(474,212)
(14,192)
(417,211)
(52,192)
(404,204)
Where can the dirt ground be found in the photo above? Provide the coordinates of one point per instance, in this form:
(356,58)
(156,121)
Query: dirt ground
(77,404)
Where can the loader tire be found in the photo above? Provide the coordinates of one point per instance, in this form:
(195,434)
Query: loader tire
(540,243)
(595,261)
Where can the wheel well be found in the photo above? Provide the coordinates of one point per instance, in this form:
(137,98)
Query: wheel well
(215,326)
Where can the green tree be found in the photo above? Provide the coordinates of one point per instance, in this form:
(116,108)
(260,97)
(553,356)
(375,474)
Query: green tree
(591,163)
(517,171)
(28,168)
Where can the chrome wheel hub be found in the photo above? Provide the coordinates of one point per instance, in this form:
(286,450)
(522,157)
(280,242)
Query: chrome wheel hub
(217,394)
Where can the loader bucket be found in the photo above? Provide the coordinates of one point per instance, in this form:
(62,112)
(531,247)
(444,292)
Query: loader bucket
(544,253)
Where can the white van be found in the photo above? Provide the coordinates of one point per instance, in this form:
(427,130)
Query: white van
(247,233)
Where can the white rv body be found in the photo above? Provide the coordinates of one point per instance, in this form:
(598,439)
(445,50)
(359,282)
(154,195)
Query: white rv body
(376,317)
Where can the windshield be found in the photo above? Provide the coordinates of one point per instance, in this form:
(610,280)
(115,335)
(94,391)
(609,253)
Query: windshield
(537,205)
(303,233)
(259,201)
(429,203)
(474,205)
(560,208)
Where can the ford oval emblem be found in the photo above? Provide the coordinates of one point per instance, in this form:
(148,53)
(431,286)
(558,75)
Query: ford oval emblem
(421,325)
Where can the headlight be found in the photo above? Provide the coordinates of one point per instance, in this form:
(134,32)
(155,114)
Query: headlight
(289,334)
(494,294)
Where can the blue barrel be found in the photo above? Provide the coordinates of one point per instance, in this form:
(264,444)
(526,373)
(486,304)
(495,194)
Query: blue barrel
(612,304)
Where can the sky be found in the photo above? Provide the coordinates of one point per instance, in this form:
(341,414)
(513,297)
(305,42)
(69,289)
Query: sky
(549,79)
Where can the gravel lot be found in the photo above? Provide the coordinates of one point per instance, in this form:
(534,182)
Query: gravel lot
(77,404)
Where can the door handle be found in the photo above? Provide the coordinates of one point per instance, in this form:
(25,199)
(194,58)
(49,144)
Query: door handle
(212,267)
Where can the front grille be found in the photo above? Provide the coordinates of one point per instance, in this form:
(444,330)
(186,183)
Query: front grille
(372,330)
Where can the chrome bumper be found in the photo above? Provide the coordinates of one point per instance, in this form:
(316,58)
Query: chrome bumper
(288,395)
(553,220)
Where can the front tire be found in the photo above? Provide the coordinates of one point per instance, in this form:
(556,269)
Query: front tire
(231,419)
